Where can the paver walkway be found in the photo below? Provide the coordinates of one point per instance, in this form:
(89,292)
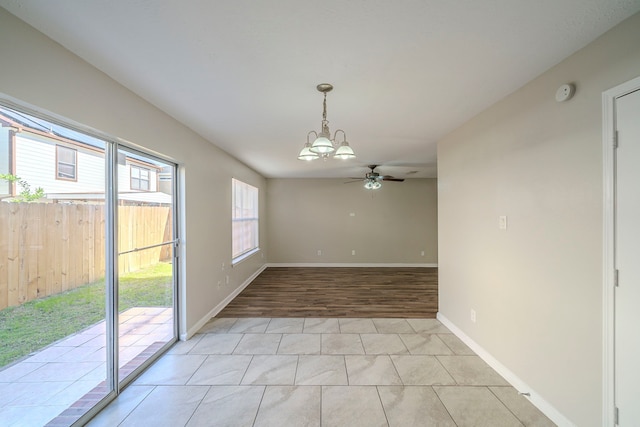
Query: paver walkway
(63,378)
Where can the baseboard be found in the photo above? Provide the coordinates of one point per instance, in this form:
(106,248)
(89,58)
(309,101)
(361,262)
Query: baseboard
(345,264)
(218,308)
(535,398)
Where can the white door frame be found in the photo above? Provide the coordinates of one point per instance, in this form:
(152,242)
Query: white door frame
(608,243)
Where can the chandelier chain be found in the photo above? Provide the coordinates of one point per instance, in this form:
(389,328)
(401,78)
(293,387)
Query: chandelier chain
(324,111)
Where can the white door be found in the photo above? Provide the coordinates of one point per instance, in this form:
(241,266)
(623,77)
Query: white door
(627,260)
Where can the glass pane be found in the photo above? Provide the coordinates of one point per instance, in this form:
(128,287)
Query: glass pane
(52,268)
(244,214)
(66,155)
(66,171)
(145,264)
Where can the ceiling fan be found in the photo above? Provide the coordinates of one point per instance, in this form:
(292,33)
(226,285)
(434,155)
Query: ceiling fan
(372,179)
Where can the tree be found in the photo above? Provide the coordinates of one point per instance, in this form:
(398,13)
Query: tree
(25,195)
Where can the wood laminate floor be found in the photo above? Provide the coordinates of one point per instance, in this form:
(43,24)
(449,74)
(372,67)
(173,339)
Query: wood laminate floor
(404,292)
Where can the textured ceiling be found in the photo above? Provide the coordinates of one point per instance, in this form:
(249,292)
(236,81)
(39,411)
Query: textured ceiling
(243,73)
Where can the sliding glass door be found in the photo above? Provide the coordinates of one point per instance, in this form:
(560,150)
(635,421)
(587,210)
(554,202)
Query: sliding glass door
(146,249)
(87,273)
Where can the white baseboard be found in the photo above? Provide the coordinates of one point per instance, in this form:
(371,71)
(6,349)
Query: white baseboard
(536,399)
(340,264)
(218,308)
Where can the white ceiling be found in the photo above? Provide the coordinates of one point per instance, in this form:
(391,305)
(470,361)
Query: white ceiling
(243,74)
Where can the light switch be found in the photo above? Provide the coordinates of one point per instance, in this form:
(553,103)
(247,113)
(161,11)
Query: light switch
(502,222)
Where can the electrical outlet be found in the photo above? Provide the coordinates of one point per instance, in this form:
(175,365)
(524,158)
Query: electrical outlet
(227,280)
(219,284)
(353,252)
(473,315)
(422,253)
(319,252)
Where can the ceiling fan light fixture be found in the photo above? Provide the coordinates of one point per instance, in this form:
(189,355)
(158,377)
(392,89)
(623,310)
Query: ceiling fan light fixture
(372,184)
(373,180)
(324,145)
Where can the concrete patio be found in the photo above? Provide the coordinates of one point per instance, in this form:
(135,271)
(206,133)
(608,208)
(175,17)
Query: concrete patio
(59,383)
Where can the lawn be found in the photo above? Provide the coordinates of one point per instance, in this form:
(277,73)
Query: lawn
(36,324)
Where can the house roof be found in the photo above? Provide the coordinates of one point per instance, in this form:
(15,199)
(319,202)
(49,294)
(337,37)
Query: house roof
(27,123)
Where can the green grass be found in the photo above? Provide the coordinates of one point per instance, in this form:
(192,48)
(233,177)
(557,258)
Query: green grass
(36,324)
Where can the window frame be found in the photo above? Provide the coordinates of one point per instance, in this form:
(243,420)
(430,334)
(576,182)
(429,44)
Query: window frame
(75,163)
(139,179)
(247,212)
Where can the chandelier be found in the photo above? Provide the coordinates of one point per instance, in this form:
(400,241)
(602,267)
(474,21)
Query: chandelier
(323,145)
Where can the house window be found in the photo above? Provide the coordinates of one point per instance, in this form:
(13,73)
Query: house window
(139,178)
(66,159)
(244,219)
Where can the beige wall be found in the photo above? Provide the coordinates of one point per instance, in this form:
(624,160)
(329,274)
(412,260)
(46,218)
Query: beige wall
(393,224)
(536,287)
(37,71)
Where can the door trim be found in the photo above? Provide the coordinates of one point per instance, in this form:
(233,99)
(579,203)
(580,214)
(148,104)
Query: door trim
(608,244)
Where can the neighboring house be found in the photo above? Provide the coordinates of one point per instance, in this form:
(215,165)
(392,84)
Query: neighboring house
(69,166)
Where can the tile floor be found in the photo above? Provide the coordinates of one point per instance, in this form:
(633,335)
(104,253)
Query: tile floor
(321,372)
(50,382)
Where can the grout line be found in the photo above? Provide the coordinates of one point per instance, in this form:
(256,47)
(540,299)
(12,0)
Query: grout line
(396,369)
(246,370)
(199,404)
(197,369)
(503,403)
(384,411)
(255,418)
(295,373)
(279,342)
(443,405)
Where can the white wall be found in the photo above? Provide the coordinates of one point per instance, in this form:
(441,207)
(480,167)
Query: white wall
(45,75)
(391,225)
(536,287)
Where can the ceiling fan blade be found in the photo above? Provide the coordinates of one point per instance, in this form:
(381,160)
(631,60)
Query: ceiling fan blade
(390,178)
(355,180)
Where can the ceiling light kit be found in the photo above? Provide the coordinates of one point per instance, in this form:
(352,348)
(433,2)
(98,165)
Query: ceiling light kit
(372,179)
(324,146)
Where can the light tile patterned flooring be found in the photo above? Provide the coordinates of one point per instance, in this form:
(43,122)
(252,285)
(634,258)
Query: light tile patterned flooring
(46,384)
(321,372)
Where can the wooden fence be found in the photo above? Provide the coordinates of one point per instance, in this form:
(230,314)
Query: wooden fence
(47,248)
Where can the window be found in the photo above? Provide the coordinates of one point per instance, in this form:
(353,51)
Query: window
(139,178)
(244,218)
(66,163)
